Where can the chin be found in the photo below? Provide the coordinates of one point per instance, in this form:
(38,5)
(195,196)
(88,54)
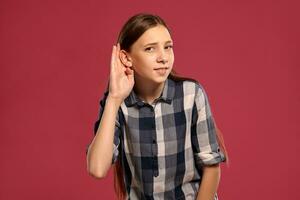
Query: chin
(160,79)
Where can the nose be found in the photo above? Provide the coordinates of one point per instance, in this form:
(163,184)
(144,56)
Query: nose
(162,56)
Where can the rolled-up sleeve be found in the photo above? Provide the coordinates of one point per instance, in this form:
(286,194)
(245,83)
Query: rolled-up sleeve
(203,132)
(117,131)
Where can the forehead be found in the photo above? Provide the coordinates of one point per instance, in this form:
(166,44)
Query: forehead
(155,34)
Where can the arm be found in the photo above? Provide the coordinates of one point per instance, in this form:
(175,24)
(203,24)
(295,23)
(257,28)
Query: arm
(210,181)
(99,156)
(100,151)
(207,153)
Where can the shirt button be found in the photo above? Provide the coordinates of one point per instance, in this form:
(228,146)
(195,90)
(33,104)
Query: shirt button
(153,141)
(140,103)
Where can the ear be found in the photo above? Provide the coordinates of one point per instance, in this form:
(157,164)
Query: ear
(125,58)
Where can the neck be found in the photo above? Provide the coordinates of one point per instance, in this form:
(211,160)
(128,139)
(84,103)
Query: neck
(148,91)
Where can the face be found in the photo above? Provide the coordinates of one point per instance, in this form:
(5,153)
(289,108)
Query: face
(152,56)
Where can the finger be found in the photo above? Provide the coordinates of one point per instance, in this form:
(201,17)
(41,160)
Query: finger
(113,57)
(118,57)
(130,75)
(129,71)
(118,51)
(117,65)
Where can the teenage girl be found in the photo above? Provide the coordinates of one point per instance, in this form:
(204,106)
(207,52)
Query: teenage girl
(154,127)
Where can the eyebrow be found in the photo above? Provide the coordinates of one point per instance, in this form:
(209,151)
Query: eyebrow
(155,43)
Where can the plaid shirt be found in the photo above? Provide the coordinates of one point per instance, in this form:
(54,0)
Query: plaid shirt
(163,147)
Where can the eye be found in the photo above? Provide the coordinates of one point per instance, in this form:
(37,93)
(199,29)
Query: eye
(148,48)
(169,47)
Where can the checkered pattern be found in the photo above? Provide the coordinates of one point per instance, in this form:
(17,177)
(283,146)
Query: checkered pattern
(163,146)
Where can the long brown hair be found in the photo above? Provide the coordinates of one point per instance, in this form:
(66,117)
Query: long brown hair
(130,32)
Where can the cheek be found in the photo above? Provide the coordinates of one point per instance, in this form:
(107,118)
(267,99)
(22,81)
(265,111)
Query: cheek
(144,61)
(171,58)
(172,55)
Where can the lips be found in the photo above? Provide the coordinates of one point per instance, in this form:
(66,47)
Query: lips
(161,68)
(162,71)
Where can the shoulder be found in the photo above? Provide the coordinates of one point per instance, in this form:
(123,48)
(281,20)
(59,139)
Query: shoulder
(192,87)
(190,92)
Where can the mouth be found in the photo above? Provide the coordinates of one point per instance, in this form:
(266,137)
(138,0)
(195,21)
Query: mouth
(161,71)
(161,68)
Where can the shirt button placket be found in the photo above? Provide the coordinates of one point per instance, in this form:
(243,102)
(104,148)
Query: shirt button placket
(154,145)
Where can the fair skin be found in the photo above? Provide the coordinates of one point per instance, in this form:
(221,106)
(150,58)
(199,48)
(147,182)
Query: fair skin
(210,182)
(137,70)
(151,51)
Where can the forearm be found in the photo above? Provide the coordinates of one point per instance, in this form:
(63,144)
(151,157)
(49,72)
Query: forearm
(99,156)
(210,182)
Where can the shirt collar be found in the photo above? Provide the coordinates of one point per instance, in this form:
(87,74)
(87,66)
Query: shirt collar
(167,94)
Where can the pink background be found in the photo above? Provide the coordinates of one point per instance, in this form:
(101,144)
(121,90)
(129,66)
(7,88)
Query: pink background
(54,58)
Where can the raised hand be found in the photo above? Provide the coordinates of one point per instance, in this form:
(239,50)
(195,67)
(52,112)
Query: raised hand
(121,79)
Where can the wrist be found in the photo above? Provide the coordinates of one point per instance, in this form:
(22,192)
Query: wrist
(115,100)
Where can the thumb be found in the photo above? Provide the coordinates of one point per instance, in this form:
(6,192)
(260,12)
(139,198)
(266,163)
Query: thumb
(130,73)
